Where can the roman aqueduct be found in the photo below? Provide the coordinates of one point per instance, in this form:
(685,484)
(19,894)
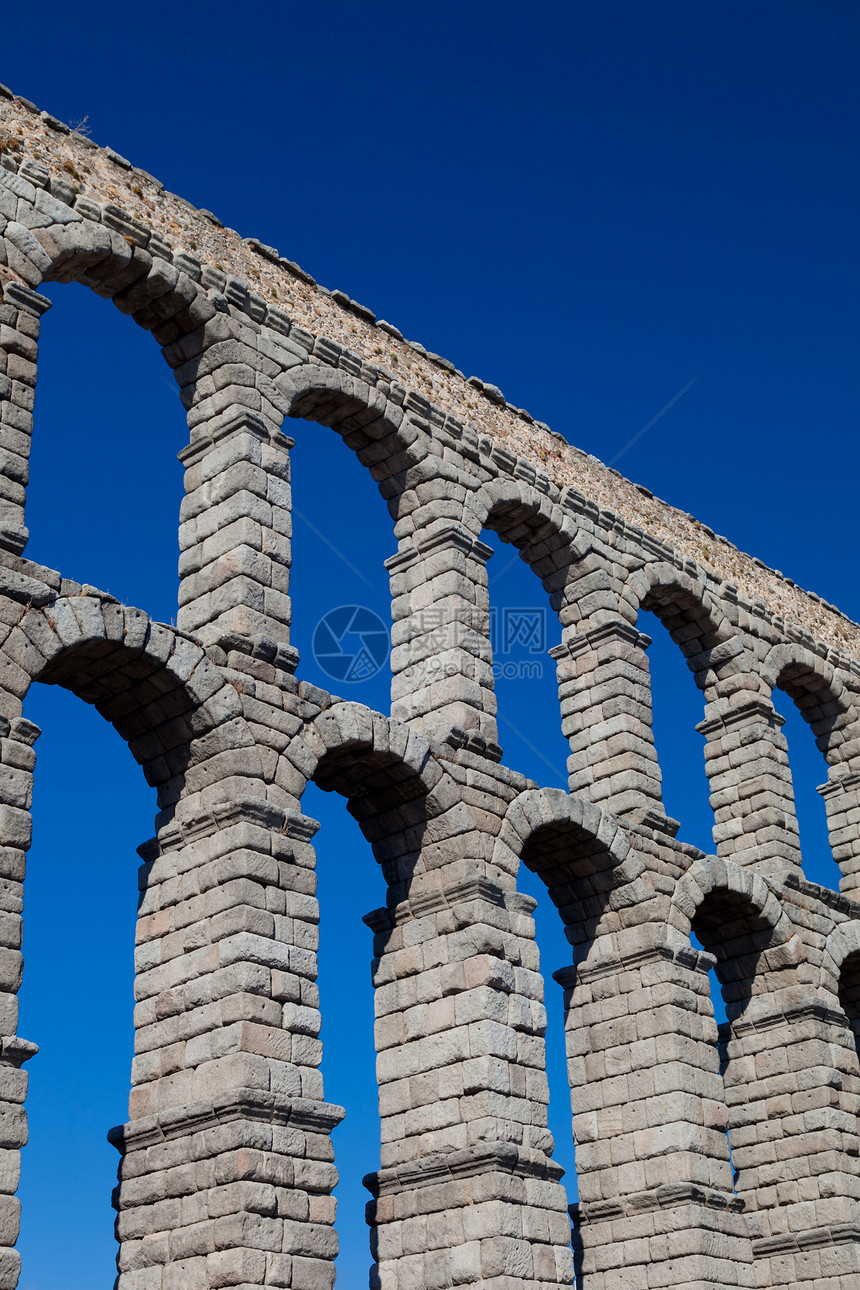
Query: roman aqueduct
(704,1159)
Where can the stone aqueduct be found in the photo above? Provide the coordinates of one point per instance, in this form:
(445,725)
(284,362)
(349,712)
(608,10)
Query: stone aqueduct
(227,1162)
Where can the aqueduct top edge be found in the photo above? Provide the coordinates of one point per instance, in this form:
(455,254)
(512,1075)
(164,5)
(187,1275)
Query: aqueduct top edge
(99,175)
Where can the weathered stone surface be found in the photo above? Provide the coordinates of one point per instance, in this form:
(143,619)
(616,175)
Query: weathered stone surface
(705,1158)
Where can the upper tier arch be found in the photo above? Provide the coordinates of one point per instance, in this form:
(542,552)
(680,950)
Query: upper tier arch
(546,536)
(382,437)
(695,620)
(821,696)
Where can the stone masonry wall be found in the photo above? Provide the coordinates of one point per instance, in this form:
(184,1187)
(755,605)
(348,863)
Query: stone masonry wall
(706,1157)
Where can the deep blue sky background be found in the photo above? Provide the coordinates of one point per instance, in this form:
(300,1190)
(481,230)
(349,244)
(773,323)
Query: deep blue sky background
(586,203)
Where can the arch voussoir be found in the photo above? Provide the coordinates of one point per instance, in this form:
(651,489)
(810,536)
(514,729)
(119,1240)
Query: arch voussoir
(158,689)
(561,830)
(712,875)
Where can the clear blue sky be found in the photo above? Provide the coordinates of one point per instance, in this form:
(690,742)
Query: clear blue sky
(586,203)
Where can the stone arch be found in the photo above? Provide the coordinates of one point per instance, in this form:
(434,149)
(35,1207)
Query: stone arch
(842,943)
(165,697)
(582,853)
(829,707)
(820,695)
(167,301)
(406,803)
(709,877)
(739,920)
(694,619)
(397,455)
(603,660)
(777,1021)
(199,329)
(382,436)
(339,735)
(737,720)
(145,286)
(841,970)
(117,259)
(540,529)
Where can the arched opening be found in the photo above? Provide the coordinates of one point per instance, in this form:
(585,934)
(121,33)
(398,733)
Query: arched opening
(577,860)
(808,768)
(673,613)
(849,998)
(341,536)
(815,721)
(105,485)
(676,709)
(91,810)
(349,886)
(753,964)
(358,1024)
(522,577)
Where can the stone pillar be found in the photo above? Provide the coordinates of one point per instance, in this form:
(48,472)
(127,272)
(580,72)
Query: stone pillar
(467,1194)
(605,695)
(841,796)
(20,314)
(746,759)
(656,1204)
(441,661)
(227,1164)
(17,760)
(235,535)
(794,1136)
